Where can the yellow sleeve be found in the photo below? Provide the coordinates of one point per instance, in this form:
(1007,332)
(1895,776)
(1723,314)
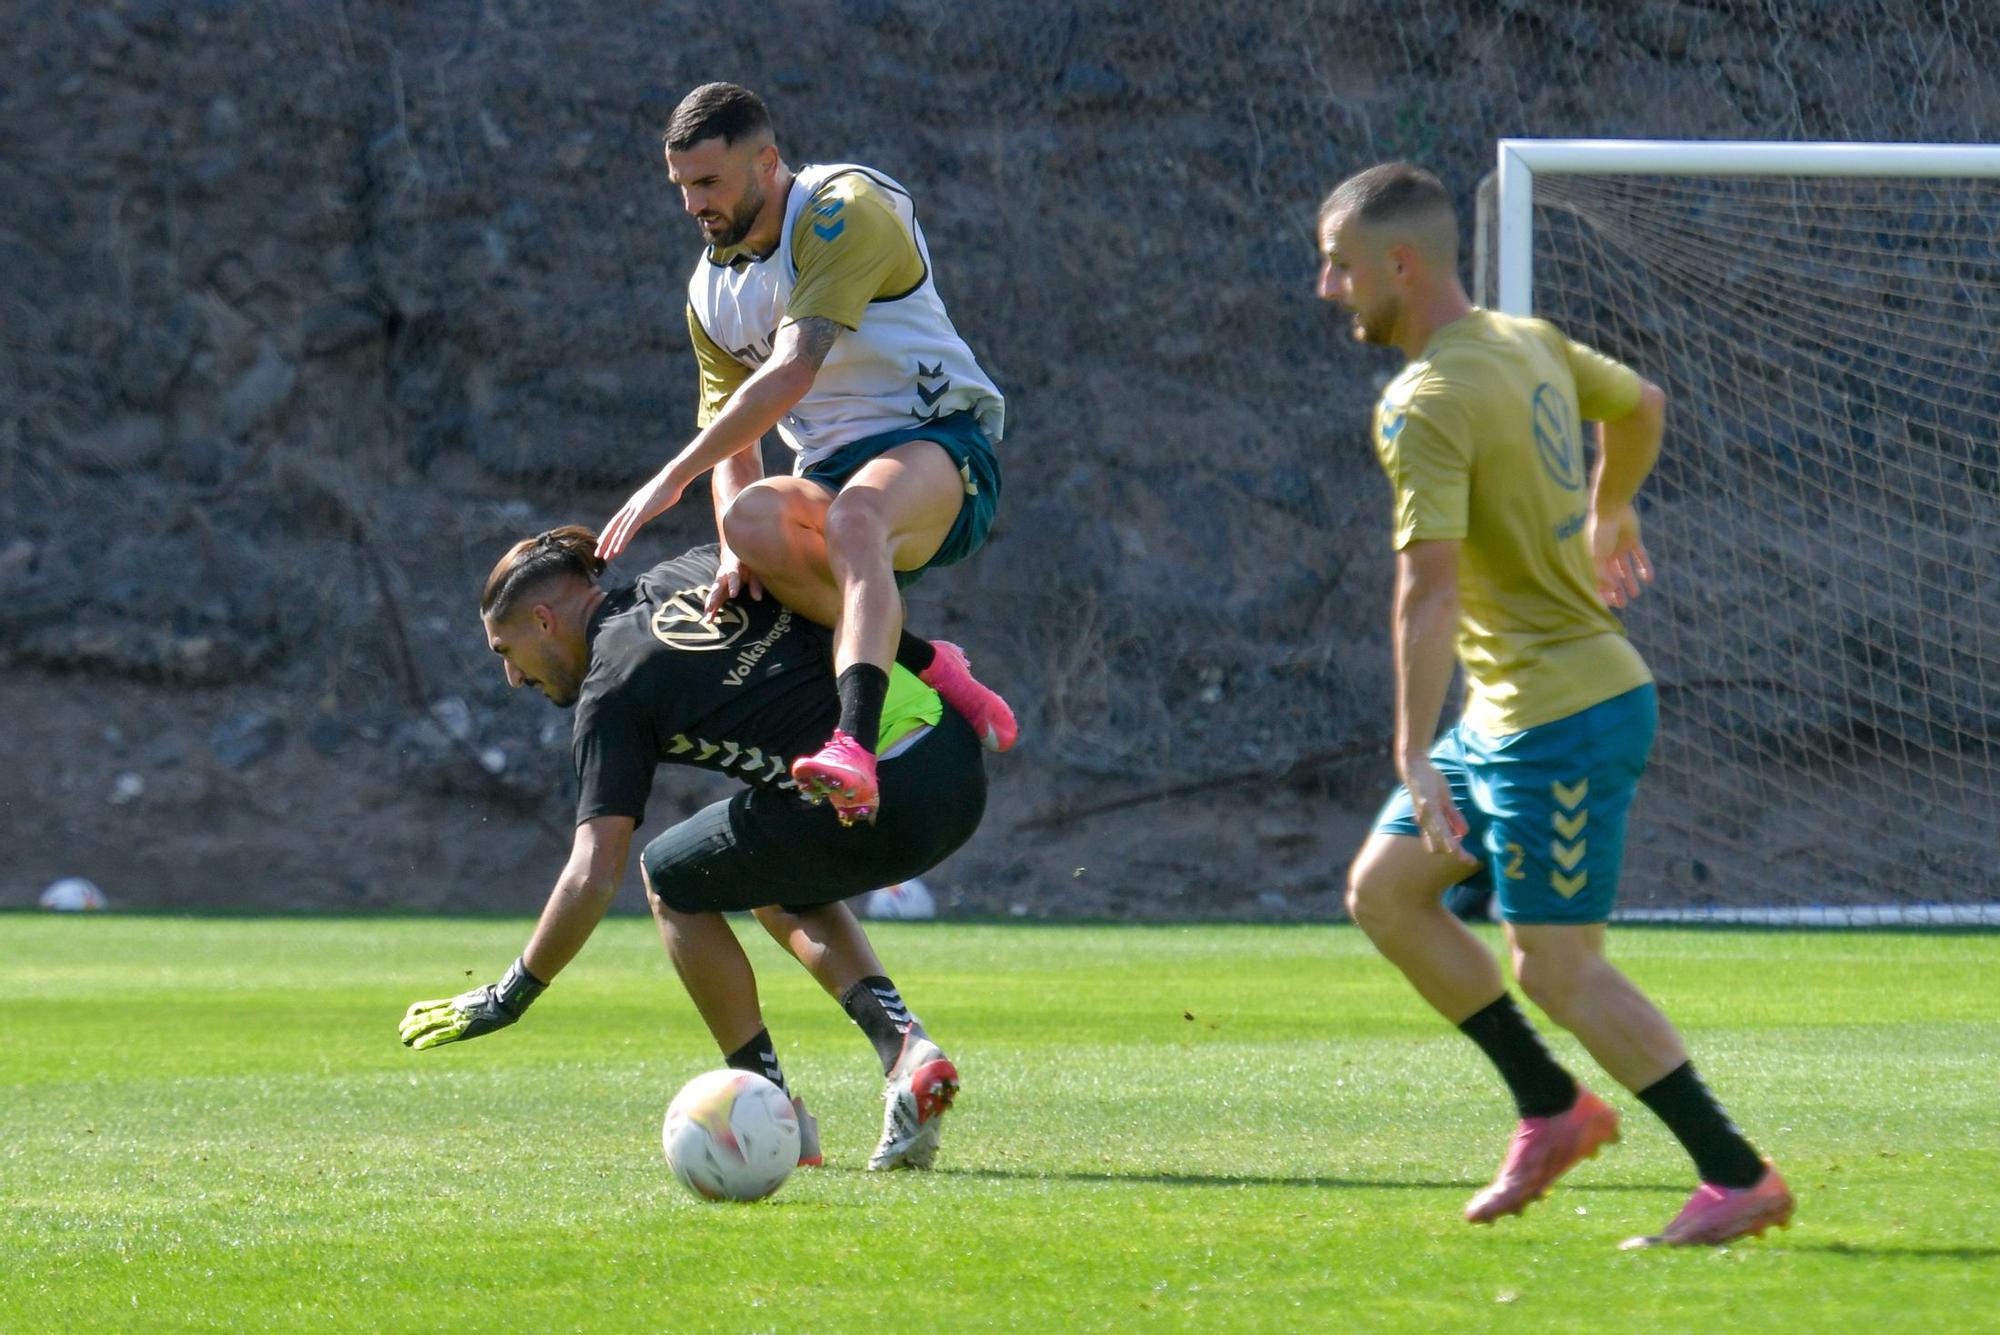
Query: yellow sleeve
(1426,449)
(1606,390)
(850,249)
(721,374)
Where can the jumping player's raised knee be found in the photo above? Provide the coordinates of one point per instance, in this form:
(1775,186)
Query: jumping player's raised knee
(857,522)
(754,526)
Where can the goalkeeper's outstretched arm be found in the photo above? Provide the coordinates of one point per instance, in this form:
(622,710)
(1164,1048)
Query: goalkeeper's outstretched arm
(583,892)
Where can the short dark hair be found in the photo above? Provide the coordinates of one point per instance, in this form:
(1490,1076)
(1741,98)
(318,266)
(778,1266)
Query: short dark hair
(1389,190)
(716,109)
(532,562)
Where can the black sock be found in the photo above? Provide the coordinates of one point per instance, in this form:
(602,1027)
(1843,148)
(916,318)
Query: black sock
(876,1005)
(761,1056)
(915,654)
(1721,1154)
(1539,1086)
(862,689)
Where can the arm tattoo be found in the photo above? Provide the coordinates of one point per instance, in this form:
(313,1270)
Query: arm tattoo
(815,335)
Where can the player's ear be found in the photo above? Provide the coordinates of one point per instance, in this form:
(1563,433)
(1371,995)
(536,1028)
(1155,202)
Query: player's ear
(545,618)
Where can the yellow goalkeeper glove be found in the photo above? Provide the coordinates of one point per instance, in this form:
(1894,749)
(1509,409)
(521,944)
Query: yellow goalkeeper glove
(470,1014)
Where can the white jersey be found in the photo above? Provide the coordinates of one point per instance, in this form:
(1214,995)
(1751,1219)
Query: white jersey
(903,366)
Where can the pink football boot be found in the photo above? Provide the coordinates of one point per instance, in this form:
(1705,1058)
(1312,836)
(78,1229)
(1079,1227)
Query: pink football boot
(809,1151)
(1715,1215)
(843,773)
(950,675)
(1543,1149)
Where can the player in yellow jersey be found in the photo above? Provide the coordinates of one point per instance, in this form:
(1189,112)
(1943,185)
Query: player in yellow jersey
(1508,550)
(813,311)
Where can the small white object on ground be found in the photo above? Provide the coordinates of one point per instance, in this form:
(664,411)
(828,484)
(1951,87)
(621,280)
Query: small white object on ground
(74,894)
(909,900)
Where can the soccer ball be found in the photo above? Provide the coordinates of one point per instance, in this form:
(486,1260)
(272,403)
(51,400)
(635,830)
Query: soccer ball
(731,1135)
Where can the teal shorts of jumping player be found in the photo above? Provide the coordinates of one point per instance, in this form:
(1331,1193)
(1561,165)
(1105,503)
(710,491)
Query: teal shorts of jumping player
(1546,806)
(978,469)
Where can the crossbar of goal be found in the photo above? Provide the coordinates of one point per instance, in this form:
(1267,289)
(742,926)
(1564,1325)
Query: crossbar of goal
(1521,160)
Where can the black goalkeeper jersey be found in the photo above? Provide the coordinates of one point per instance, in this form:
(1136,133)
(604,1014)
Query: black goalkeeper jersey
(743,695)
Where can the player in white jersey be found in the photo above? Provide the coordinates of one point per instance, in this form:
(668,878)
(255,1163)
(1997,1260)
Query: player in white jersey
(813,311)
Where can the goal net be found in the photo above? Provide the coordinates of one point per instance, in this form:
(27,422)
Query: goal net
(1825,515)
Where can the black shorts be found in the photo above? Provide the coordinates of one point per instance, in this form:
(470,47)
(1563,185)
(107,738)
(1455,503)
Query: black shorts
(769,846)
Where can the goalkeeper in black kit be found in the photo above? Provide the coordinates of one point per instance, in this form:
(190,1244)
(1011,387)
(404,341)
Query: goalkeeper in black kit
(655,679)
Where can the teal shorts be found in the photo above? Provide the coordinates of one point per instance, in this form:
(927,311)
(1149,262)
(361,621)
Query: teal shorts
(960,436)
(1546,806)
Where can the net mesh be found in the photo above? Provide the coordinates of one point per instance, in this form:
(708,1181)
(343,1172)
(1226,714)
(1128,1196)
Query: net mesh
(1824,519)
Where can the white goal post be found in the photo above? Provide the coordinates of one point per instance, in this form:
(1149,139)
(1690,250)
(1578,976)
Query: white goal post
(1512,219)
(1825,318)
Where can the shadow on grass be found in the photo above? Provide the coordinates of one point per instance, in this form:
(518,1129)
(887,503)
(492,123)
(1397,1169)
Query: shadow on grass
(1897,1253)
(1244,1180)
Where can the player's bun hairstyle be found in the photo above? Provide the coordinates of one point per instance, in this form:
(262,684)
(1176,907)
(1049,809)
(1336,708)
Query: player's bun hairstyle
(1391,192)
(569,550)
(716,110)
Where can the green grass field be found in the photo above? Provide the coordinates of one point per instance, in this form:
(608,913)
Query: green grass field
(209,1124)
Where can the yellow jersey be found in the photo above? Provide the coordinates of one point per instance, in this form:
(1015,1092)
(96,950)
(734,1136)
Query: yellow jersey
(1482,438)
(850,250)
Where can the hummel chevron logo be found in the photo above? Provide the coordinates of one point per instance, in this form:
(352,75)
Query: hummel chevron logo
(751,758)
(1569,849)
(893,1005)
(930,394)
(829,209)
